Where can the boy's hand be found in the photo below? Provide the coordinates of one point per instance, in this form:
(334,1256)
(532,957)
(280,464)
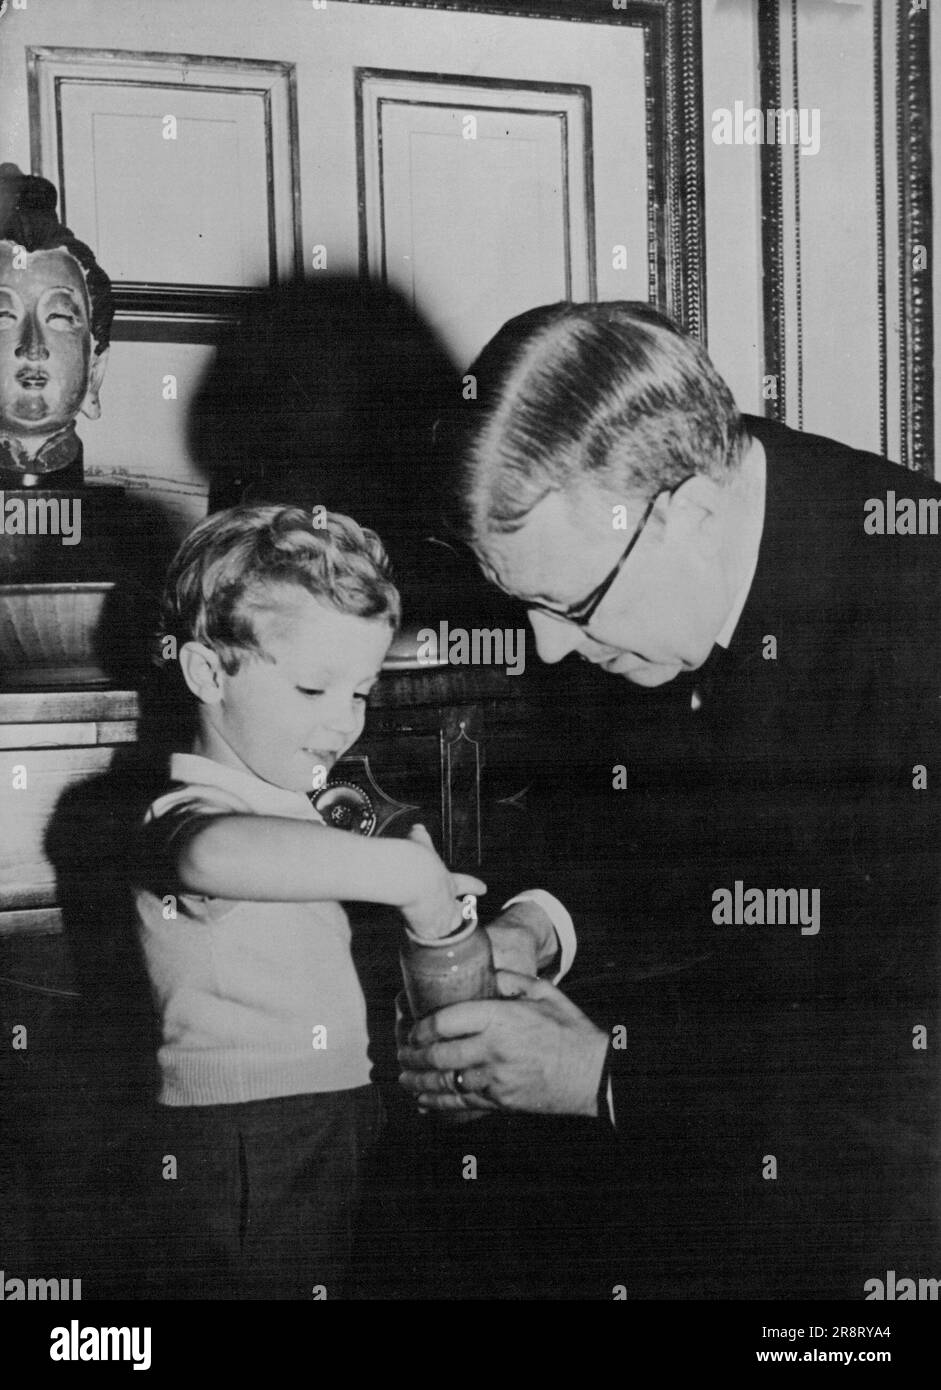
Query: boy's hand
(435,910)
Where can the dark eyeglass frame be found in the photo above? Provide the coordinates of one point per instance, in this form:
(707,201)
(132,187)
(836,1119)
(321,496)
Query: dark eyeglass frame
(581,614)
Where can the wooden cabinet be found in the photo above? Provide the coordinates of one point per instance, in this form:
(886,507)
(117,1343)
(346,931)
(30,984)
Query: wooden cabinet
(50,743)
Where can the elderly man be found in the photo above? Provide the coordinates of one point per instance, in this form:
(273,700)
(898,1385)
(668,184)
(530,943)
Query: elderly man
(761,904)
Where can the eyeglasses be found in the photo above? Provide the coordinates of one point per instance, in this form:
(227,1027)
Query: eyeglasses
(581,614)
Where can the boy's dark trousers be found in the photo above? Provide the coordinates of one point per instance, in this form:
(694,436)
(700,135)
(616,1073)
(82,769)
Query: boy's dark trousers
(264,1197)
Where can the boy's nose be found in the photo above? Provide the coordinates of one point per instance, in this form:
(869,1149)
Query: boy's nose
(342,718)
(554,639)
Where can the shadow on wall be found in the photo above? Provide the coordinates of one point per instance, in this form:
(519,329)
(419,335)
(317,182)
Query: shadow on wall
(77,1152)
(327,394)
(86,1154)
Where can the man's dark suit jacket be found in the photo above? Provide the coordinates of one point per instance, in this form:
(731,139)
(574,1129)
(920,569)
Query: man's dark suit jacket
(775,1113)
(775,1123)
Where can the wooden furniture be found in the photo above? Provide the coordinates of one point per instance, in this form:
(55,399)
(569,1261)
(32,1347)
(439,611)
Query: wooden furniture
(50,742)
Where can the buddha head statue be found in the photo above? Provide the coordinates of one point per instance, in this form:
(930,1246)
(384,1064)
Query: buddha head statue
(55,324)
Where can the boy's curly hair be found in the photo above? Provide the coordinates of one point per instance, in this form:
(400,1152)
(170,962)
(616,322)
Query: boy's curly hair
(235,566)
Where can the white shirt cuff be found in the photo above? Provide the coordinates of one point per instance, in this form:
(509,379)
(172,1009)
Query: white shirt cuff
(560,919)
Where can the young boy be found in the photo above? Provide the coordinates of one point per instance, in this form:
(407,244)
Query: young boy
(267,1113)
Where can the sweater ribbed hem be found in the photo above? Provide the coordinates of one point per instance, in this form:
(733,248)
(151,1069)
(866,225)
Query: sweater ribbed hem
(197,1079)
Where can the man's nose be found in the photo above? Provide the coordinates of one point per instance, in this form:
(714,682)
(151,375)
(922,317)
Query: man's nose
(554,639)
(32,344)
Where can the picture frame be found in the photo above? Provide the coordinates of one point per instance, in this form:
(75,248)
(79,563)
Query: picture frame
(671,32)
(242,214)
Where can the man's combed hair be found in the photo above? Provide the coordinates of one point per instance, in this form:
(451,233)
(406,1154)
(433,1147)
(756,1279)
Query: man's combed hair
(236,565)
(570,395)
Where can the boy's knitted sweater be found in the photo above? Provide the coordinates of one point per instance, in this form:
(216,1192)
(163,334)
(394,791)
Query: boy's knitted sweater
(256,999)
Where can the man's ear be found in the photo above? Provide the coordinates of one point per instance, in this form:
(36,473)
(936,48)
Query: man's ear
(91,406)
(694,511)
(202,671)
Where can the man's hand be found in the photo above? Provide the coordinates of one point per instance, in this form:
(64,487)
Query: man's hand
(531,1050)
(523,939)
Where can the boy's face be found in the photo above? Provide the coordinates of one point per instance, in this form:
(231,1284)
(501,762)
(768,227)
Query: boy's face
(300,710)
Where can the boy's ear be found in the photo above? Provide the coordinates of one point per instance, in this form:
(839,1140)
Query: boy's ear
(202,671)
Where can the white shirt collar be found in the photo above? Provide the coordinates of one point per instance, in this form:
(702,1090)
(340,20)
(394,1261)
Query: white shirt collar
(263,797)
(753,527)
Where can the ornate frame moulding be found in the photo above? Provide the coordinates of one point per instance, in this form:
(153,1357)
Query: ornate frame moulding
(148,308)
(913,95)
(378,89)
(673,78)
(912,207)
